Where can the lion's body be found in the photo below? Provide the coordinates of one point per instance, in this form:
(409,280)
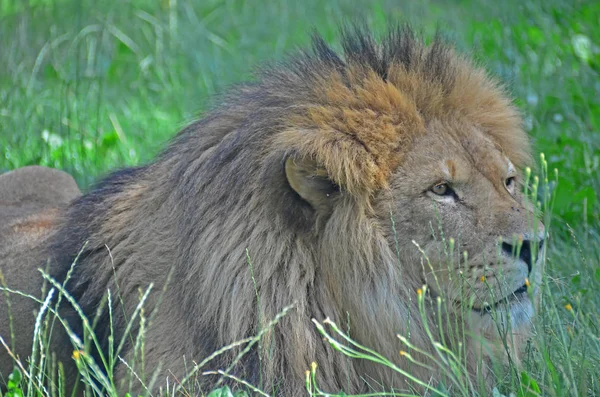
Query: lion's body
(31,201)
(223,196)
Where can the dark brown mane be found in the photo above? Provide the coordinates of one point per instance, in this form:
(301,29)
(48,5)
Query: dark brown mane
(399,47)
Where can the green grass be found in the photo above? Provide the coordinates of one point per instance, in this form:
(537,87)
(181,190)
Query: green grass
(89,86)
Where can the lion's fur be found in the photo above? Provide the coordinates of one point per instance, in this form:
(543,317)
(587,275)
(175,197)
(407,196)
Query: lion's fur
(31,200)
(217,199)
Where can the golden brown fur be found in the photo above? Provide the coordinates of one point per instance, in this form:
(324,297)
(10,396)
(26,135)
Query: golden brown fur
(306,169)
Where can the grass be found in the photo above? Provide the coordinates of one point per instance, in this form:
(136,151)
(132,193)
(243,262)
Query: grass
(90,86)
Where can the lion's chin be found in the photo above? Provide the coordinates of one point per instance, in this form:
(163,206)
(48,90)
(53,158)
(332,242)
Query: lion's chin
(507,326)
(516,313)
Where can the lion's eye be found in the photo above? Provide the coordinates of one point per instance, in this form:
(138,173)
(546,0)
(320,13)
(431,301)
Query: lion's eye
(442,189)
(510,183)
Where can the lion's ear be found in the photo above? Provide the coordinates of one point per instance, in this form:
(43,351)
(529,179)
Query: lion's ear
(311,182)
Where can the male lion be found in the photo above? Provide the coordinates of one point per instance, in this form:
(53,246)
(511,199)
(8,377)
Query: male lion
(334,184)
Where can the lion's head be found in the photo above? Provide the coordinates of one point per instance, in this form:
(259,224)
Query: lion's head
(334,183)
(407,147)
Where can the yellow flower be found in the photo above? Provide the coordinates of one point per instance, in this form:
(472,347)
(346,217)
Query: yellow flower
(482,279)
(527,282)
(419,292)
(77,354)
(569,307)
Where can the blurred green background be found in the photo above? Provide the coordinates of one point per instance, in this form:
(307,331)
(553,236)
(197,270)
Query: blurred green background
(89,85)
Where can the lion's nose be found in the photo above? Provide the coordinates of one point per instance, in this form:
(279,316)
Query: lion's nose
(526,251)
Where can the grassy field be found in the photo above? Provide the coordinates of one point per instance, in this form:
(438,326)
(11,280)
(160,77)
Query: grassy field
(89,86)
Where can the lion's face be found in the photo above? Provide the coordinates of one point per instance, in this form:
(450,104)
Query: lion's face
(458,184)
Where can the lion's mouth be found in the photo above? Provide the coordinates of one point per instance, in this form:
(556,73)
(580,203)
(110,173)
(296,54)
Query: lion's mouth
(515,296)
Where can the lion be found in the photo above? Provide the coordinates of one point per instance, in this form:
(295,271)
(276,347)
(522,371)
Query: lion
(333,184)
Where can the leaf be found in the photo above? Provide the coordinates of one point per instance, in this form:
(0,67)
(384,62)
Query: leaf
(14,379)
(582,46)
(529,387)
(222,392)
(109,139)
